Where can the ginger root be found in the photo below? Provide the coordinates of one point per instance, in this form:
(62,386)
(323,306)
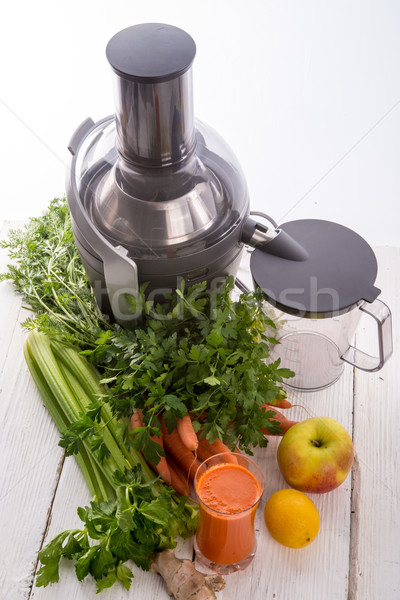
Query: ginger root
(183,581)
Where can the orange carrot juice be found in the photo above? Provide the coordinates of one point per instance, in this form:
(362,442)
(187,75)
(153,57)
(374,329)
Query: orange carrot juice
(228,497)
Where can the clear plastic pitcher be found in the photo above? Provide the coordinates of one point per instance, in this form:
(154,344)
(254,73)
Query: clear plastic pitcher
(317,348)
(318,287)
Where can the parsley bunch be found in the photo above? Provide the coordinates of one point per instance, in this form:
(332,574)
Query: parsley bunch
(201,353)
(132,527)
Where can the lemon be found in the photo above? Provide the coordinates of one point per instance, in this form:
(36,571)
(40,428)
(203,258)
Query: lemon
(292,518)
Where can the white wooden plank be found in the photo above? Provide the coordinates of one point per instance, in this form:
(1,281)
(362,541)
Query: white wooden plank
(29,455)
(285,573)
(29,460)
(375,564)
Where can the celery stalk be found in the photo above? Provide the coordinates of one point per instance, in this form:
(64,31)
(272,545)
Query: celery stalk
(89,379)
(51,370)
(84,402)
(40,350)
(90,472)
(68,387)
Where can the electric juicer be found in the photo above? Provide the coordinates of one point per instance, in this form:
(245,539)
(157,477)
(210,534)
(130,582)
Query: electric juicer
(155,194)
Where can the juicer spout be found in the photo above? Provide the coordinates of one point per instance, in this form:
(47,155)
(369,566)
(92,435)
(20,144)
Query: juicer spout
(272,241)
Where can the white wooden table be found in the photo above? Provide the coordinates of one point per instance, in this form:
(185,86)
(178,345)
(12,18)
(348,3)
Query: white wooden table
(356,555)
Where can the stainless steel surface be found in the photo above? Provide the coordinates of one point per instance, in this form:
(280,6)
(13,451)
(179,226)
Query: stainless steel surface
(154,120)
(163,212)
(176,206)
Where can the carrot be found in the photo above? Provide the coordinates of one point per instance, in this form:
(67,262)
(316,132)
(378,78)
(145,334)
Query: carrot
(137,419)
(203,450)
(161,467)
(178,480)
(280,403)
(206,450)
(179,452)
(186,432)
(282,420)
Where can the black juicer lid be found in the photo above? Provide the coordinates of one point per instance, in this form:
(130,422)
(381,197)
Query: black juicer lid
(151,52)
(335,270)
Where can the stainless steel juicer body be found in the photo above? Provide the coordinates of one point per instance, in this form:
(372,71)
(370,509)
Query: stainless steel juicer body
(154,194)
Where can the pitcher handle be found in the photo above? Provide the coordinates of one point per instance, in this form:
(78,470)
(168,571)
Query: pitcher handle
(383,317)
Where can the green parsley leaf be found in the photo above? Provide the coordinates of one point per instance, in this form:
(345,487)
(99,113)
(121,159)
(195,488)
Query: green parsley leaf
(108,581)
(125,575)
(50,557)
(211,380)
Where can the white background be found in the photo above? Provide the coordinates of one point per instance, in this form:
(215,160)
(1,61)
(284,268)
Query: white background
(306,92)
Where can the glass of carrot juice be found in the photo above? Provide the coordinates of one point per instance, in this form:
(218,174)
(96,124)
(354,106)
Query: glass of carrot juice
(229,487)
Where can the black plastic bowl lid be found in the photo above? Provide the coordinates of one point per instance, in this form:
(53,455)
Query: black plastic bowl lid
(337,271)
(151,52)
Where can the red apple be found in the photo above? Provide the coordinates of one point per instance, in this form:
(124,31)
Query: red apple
(315,455)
